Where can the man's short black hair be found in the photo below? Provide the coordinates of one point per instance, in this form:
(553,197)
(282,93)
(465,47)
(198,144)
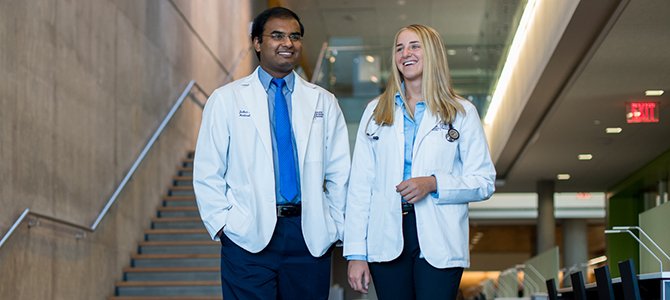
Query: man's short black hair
(274,12)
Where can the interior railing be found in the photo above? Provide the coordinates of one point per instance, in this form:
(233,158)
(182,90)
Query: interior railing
(27,212)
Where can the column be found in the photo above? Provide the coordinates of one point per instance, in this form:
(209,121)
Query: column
(575,244)
(546,222)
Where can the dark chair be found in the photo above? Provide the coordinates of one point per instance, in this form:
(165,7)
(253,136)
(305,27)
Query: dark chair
(551,289)
(631,290)
(604,283)
(578,288)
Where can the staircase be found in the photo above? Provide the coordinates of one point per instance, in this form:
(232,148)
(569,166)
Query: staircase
(177,259)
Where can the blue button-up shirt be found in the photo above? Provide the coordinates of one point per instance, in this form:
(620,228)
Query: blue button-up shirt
(410,128)
(271,89)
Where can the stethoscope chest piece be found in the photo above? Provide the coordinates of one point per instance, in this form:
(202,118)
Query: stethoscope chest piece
(452,134)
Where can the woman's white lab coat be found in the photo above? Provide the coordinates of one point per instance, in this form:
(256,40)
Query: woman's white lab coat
(464,173)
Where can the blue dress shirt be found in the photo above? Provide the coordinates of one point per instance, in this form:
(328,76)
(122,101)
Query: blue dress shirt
(271,89)
(410,128)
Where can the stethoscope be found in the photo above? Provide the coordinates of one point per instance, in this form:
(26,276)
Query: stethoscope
(451,136)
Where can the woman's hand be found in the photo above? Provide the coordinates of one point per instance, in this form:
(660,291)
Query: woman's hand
(359,275)
(415,189)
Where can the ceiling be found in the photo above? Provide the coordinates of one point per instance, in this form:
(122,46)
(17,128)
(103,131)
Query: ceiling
(611,52)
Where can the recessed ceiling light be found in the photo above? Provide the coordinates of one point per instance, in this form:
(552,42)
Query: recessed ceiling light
(563,176)
(451,51)
(370,58)
(654,92)
(585,156)
(613,130)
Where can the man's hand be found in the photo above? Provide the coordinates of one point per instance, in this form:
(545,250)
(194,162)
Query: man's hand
(415,189)
(359,275)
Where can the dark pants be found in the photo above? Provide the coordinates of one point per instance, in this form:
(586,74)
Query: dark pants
(283,270)
(412,277)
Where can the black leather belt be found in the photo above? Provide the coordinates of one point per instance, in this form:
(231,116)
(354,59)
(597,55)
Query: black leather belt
(288,210)
(407,208)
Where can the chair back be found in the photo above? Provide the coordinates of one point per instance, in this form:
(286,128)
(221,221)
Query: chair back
(551,289)
(604,283)
(578,288)
(631,290)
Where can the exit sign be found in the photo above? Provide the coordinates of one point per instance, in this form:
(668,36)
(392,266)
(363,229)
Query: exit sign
(642,112)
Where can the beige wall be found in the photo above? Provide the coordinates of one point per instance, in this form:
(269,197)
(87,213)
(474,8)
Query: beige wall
(83,84)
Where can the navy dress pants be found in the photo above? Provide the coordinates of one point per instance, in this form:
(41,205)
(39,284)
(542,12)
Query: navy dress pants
(411,277)
(283,270)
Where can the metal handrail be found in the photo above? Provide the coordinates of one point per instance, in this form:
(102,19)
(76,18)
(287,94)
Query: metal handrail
(660,262)
(187,91)
(319,61)
(147,147)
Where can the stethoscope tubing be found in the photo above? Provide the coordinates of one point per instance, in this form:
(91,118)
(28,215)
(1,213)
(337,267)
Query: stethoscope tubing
(451,136)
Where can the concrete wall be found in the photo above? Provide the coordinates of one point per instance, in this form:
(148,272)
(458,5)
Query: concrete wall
(83,85)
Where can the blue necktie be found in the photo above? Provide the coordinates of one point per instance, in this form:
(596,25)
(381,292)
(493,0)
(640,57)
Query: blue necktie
(288,182)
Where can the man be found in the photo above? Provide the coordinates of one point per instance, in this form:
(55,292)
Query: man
(270,172)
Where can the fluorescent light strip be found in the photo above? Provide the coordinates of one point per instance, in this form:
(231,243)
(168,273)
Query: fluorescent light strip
(511,60)
(654,93)
(563,176)
(613,130)
(585,156)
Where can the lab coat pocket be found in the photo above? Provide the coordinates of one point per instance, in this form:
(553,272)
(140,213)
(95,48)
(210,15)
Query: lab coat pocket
(440,153)
(452,225)
(238,221)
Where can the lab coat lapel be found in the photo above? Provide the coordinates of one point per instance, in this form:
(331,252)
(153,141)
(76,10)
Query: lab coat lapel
(399,133)
(255,97)
(428,122)
(304,101)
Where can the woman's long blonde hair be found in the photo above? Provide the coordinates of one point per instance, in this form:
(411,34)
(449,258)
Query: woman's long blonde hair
(435,83)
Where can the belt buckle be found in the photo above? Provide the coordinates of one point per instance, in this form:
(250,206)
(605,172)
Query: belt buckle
(406,208)
(287,210)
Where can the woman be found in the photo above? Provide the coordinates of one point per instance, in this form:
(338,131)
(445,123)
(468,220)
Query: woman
(420,157)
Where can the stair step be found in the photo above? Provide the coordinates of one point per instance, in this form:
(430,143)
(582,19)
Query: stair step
(177,223)
(173,274)
(183,190)
(180,200)
(175,260)
(168,283)
(183,180)
(176,234)
(185,171)
(178,211)
(163,298)
(179,247)
(168,288)
(188,163)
